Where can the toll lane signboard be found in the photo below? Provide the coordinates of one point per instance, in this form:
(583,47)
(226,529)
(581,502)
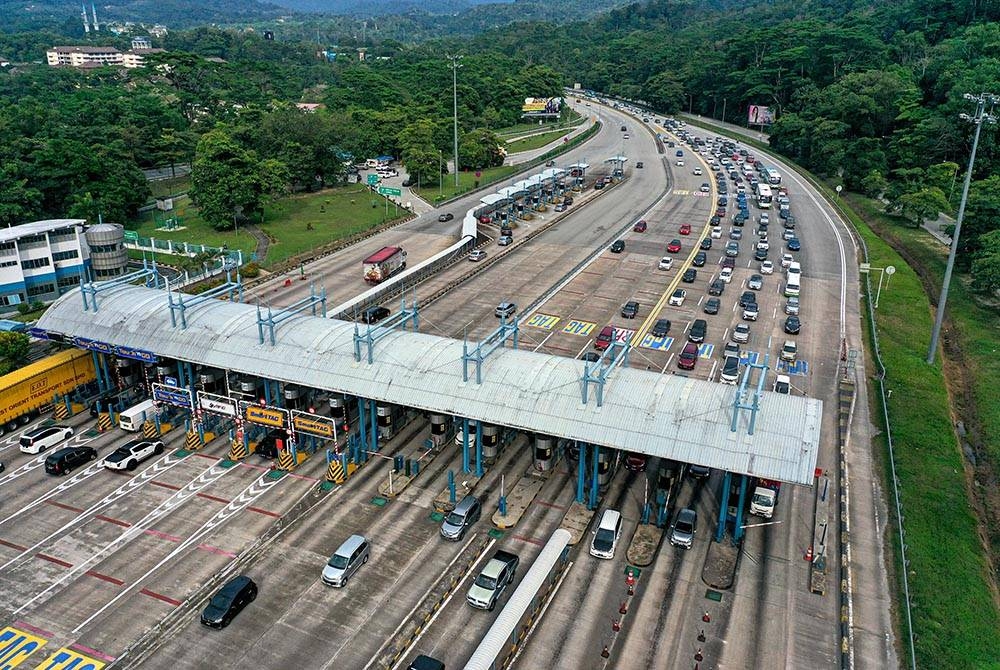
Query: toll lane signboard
(581,328)
(544,321)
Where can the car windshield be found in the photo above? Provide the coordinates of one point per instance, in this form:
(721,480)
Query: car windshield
(762,499)
(604,539)
(482,581)
(455,519)
(219,601)
(683,527)
(338,561)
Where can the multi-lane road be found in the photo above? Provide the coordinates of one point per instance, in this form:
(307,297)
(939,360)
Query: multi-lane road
(114,565)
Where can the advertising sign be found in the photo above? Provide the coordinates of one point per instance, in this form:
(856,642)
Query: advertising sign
(541,106)
(758,115)
(265,416)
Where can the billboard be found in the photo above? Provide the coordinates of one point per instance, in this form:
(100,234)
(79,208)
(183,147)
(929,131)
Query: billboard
(541,106)
(758,115)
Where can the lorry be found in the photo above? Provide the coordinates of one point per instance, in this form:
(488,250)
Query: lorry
(384,263)
(765,497)
(25,392)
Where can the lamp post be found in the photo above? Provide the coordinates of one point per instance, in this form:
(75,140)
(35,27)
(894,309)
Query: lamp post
(983,100)
(454,89)
(440,172)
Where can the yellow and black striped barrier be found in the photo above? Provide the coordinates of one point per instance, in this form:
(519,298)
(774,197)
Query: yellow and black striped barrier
(192,441)
(62,411)
(149,430)
(335,472)
(237,451)
(285,460)
(104,421)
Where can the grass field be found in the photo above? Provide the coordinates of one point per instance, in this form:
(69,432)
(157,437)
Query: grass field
(294,225)
(466,182)
(573,119)
(955,620)
(534,141)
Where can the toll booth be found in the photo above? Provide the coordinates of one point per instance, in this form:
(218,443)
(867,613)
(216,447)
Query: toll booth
(544,453)
(390,419)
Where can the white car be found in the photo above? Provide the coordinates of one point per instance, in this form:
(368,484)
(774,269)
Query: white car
(789,351)
(786,260)
(129,456)
(765,218)
(717,232)
(38,440)
(677,299)
(665,263)
(726,275)
(696,171)
(767,268)
(741,333)
(782,384)
(477,255)
(762,245)
(680,162)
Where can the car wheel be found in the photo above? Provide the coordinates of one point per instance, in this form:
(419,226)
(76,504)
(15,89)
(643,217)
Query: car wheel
(67,471)
(493,605)
(92,456)
(364,560)
(253,596)
(225,621)
(159,449)
(132,465)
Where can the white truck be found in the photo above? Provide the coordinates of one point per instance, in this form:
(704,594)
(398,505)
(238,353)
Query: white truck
(765,497)
(384,263)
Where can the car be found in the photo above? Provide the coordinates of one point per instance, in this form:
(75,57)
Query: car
(447,216)
(792,305)
(782,384)
(720,212)
(229,601)
(674,247)
(705,244)
(630,309)
(730,372)
(677,297)
(705,187)
(665,263)
(347,560)
(732,249)
(128,456)
(714,221)
(505,310)
(680,162)
(504,240)
(680,152)
(764,218)
(697,331)
(789,351)
(606,536)
(760,255)
(736,234)
(762,244)
(374,314)
(685,229)
(722,201)
(638,164)
(731,348)
(635,462)
(65,460)
(716,232)
(750,312)
(496,576)
(660,328)
(688,357)
(699,471)
(561,207)
(712,306)
(696,171)
(505,230)
(590,356)
(739,220)
(728,262)
(37,440)
(640,226)
(699,259)
(794,244)
(717,286)
(618,246)
(786,260)
(741,333)
(599,185)
(787,234)
(689,276)
(684,528)
(625,136)
(792,324)
(789,221)
(568,200)
(477,255)
(767,268)
(755,283)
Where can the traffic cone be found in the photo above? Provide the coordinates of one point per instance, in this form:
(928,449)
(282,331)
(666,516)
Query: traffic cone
(616,625)
(604,652)
(623,609)
(809,554)
(706,617)
(631,590)
(698,656)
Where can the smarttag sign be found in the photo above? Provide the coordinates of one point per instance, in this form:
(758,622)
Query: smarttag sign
(311,424)
(265,416)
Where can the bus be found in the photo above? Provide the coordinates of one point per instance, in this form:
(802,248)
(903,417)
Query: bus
(764,196)
(772,175)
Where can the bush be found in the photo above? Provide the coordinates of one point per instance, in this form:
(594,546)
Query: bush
(250,270)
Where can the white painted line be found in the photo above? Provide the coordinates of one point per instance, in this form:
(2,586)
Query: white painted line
(671,358)
(542,343)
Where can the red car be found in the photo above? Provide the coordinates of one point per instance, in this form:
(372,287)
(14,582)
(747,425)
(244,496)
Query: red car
(685,229)
(720,212)
(635,463)
(688,357)
(640,226)
(674,247)
(485,219)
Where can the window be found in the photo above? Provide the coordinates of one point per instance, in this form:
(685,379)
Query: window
(8,264)
(11,299)
(68,282)
(62,235)
(33,263)
(41,289)
(104,248)
(32,242)
(7,246)
(65,255)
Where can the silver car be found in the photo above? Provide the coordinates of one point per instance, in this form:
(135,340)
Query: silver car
(686,525)
(792,306)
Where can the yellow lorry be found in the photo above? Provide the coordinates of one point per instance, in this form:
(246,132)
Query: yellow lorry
(24,392)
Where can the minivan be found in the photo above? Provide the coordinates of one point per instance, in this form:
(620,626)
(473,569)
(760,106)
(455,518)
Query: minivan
(62,462)
(132,418)
(606,536)
(682,534)
(461,518)
(374,314)
(353,553)
(38,440)
(505,310)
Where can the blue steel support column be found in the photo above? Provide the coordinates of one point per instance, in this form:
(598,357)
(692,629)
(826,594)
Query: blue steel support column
(267,392)
(373,417)
(451,487)
(738,531)
(363,423)
(720,530)
(465,446)
(103,377)
(592,503)
(479,448)
(581,472)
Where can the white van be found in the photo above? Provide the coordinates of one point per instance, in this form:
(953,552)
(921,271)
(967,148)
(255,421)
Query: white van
(606,536)
(132,418)
(794,268)
(792,285)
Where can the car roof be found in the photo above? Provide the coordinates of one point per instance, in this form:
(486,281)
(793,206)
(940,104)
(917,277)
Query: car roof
(350,544)
(234,585)
(610,519)
(688,514)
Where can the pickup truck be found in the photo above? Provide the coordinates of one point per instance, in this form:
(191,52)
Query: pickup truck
(493,580)
(765,497)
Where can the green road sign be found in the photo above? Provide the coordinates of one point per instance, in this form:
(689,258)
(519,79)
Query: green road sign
(372,179)
(389,190)
(131,236)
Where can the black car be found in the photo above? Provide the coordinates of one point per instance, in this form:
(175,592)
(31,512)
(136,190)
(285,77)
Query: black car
(698,329)
(712,306)
(638,164)
(591,357)
(789,221)
(760,255)
(716,287)
(618,246)
(447,216)
(229,601)
(706,243)
(630,309)
(62,462)
(699,259)
(374,314)
(425,663)
(792,325)
(660,328)
(689,276)
(747,298)
(268,447)
(699,471)
(714,221)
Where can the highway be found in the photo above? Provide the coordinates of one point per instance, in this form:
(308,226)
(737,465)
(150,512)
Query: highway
(100,561)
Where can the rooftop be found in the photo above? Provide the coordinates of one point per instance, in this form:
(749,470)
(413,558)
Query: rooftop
(36,227)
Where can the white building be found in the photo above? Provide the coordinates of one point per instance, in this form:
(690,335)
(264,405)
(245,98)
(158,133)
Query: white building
(41,260)
(88,57)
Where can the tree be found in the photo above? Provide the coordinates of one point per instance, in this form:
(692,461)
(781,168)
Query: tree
(986,263)
(480,148)
(874,184)
(14,348)
(19,202)
(664,92)
(419,155)
(227,179)
(918,206)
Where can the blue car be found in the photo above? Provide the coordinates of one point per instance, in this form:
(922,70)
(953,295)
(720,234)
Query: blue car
(793,244)
(679,153)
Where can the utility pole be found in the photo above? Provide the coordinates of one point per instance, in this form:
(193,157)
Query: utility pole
(983,100)
(454,88)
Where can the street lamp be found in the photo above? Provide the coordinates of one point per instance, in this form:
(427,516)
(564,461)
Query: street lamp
(440,172)
(982,101)
(454,88)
